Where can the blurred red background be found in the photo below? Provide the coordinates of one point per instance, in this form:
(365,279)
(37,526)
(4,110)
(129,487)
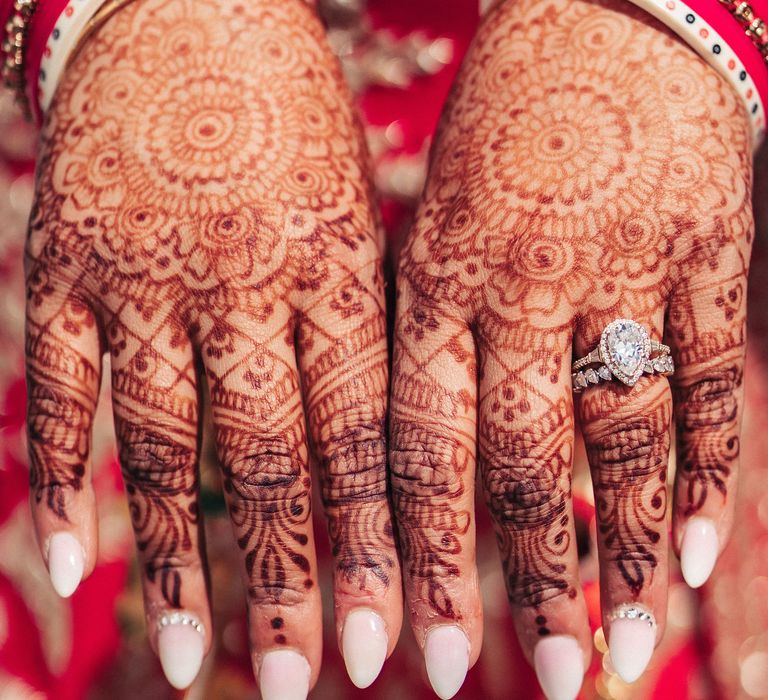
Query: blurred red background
(400,58)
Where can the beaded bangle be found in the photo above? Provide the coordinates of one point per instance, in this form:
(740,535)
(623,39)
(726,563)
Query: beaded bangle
(14,49)
(78,20)
(709,30)
(754,27)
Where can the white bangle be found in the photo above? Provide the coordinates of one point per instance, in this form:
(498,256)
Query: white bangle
(60,44)
(690,26)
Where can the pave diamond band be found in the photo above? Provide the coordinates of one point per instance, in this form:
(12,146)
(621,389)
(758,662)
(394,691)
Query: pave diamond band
(663,365)
(625,352)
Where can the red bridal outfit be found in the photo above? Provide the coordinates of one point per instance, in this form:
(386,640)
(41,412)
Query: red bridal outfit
(400,57)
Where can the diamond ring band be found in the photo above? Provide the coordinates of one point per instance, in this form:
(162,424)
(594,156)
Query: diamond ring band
(625,352)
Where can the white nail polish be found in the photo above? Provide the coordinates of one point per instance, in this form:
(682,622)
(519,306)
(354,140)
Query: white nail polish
(284,675)
(180,646)
(364,644)
(66,561)
(631,641)
(446,654)
(698,551)
(559,664)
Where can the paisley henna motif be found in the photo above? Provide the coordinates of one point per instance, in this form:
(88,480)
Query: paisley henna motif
(201,202)
(588,167)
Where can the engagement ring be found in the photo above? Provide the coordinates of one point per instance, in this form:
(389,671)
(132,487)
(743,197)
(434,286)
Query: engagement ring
(625,352)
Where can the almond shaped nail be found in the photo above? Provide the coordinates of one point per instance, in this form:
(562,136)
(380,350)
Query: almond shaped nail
(66,561)
(364,645)
(180,646)
(698,551)
(559,664)
(284,675)
(446,655)
(631,641)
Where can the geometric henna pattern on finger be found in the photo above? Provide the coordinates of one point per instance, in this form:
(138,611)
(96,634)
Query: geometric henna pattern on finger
(201,187)
(431,465)
(588,166)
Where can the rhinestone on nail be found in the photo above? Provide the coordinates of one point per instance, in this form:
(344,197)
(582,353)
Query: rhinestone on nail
(180,618)
(633,613)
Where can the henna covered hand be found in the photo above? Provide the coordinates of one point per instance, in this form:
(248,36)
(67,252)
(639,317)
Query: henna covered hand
(202,206)
(589,167)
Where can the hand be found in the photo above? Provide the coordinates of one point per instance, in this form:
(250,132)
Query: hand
(589,167)
(202,209)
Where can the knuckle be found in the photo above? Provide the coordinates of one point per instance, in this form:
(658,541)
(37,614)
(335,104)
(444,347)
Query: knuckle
(528,590)
(710,401)
(151,457)
(353,461)
(270,474)
(523,482)
(525,497)
(630,449)
(289,592)
(426,461)
(363,546)
(53,414)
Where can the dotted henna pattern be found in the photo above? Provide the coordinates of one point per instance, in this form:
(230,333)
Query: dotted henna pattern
(202,209)
(588,167)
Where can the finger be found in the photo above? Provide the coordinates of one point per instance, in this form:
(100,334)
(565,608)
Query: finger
(626,432)
(707,326)
(63,370)
(343,361)
(154,392)
(432,462)
(259,425)
(526,439)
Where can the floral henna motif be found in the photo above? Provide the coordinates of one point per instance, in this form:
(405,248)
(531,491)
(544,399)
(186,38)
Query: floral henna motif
(588,167)
(201,190)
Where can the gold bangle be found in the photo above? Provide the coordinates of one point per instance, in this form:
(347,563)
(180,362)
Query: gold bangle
(754,27)
(14,47)
(109,8)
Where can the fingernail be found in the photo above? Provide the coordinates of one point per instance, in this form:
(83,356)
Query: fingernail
(180,645)
(699,550)
(559,664)
(284,675)
(364,644)
(631,640)
(446,654)
(66,561)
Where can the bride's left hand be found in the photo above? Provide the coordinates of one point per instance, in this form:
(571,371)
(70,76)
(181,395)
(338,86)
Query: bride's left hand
(590,167)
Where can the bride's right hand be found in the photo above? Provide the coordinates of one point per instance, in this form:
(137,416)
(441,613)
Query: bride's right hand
(202,206)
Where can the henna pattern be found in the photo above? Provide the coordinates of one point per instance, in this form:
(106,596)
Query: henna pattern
(588,166)
(201,187)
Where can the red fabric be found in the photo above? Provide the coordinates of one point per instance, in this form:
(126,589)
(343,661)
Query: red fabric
(6,6)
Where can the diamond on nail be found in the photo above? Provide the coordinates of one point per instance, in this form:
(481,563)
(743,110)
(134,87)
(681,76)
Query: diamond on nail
(179,618)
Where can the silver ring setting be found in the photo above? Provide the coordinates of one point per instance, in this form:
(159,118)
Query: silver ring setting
(625,352)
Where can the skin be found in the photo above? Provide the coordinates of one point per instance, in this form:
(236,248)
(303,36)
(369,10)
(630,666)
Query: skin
(203,216)
(589,166)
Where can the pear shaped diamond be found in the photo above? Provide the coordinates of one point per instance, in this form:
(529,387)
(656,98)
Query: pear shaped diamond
(624,348)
